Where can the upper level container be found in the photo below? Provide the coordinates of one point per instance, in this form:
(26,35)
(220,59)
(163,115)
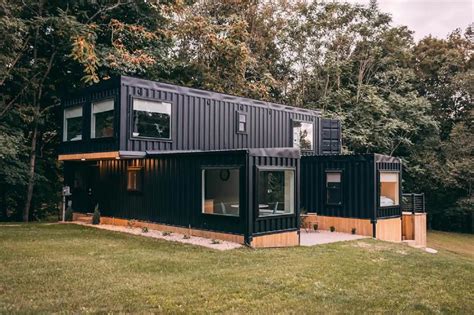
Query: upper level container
(130,114)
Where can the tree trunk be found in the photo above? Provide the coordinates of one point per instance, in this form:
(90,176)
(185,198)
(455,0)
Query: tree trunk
(31,173)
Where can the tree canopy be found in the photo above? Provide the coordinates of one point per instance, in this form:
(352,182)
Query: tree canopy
(393,95)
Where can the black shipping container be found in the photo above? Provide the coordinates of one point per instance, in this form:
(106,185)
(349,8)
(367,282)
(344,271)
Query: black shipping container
(167,188)
(199,120)
(358,195)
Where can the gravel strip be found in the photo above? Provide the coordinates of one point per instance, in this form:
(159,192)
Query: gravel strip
(174,237)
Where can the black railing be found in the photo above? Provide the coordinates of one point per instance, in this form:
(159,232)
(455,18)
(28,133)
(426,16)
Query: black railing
(414,203)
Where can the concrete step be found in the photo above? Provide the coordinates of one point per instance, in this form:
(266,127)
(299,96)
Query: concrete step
(84,218)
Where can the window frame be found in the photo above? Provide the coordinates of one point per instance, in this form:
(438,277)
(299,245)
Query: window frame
(131,119)
(379,191)
(237,122)
(341,189)
(293,121)
(98,100)
(139,170)
(64,129)
(268,168)
(203,189)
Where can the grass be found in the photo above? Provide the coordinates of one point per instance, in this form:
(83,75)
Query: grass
(68,268)
(461,244)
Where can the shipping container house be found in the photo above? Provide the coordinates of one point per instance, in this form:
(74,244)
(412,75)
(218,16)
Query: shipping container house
(145,150)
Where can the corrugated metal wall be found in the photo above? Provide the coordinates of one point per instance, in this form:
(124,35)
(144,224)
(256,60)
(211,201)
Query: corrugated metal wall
(172,190)
(385,163)
(203,120)
(358,185)
(98,92)
(277,223)
(331,137)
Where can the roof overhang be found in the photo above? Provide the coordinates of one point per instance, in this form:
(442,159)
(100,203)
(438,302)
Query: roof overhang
(102,156)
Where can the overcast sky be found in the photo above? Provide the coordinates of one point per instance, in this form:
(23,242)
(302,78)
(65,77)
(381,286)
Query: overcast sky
(424,17)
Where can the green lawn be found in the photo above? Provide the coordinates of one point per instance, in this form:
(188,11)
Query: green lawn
(53,268)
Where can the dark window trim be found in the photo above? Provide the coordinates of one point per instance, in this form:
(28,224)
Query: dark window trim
(83,105)
(340,171)
(158,100)
(237,121)
(260,168)
(116,118)
(400,195)
(221,167)
(293,120)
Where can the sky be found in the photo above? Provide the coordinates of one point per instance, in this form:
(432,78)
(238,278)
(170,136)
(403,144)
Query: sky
(425,17)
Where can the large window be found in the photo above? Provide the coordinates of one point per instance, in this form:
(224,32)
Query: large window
(72,124)
(303,135)
(220,191)
(389,189)
(276,192)
(333,188)
(102,120)
(151,119)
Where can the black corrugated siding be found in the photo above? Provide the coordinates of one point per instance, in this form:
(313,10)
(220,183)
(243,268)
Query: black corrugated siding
(358,184)
(277,223)
(172,191)
(87,144)
(204,120)
(393,164)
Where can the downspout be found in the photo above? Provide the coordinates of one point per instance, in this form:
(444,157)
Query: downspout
(249,216)
(376,188)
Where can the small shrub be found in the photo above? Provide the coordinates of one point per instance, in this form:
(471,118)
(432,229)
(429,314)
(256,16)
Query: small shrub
(354,230)
(144,229)
(215,242)
(166,233)
(332,229)
(186,237)
(68,215)
(96,215)
(315,226)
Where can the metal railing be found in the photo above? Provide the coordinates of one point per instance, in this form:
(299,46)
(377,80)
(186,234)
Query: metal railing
(414,203)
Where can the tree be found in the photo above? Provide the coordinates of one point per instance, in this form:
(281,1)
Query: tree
(58,46)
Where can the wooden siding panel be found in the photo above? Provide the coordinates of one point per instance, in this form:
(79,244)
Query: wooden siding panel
(389,230)
(284,239)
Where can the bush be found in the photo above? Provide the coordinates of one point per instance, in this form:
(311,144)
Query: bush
(354,230)
(96,215)
(144,229)
(315,227)
(186,237)
(332,228)
(166,233)
(68,215)
(215,242)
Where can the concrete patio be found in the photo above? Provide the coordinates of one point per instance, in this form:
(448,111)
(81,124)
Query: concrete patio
(325,237)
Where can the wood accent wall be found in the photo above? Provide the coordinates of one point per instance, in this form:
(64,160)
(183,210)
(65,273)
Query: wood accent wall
(284,239)
(414,228)
(345,225)
(175,229)
(389,230)
(88,156)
